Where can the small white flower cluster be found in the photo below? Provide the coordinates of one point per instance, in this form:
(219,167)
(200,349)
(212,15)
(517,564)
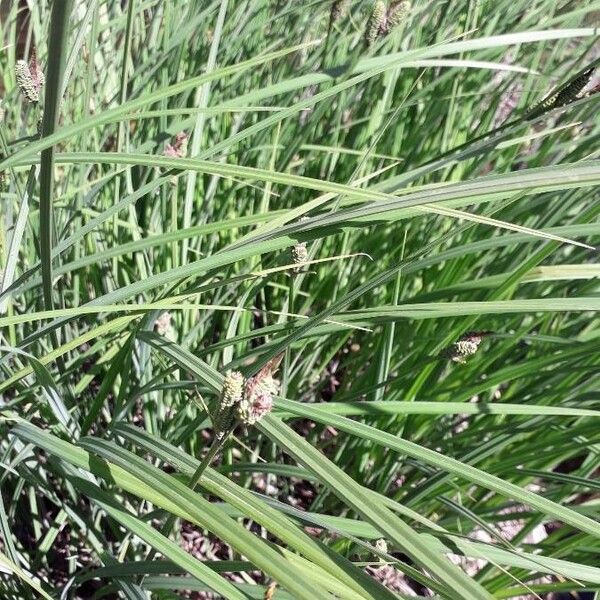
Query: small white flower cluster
(464,348)
(467,345)
(299,255)
(233,389)
(30,79)
(163,323)
(252,399)
(258,398)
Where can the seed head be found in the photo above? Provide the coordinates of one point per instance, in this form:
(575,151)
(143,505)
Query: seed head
(233,389)
(338,10)
(30,79)
(377,23)
(163,323)
(258,394)
(179,146)
(252,409)
(398,13)
(467,345)
(299,256)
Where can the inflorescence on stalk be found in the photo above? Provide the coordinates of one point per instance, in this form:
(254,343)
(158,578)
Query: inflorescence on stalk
(384,19)
(465,346)
(247,400)
(30,78)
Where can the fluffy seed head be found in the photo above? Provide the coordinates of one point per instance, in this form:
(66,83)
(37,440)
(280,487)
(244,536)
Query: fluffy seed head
(377,24)
(398,13)
(258,396)
(30,79)
(299,255)
(467,345)
(163,323)
(233,389)
(338,10)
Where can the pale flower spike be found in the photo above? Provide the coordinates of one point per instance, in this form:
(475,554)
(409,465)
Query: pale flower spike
(233,389)
(163,323)
(299,255)
(258,394)
(179,147)
(30,78)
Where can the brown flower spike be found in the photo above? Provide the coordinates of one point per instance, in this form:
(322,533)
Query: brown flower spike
(258,393)
(179,146)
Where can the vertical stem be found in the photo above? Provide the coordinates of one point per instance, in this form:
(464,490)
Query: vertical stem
(287,358)
(192,483)
(388,337)
(122,99)
(87,111)
(201,101)
(61,11)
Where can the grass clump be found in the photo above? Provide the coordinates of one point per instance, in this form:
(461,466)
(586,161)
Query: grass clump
(299,300)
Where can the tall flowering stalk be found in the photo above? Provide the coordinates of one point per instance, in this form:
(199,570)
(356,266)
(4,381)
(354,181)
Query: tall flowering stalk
(398,13)
(30,78)
(377,23)
(244,401)
(383,19)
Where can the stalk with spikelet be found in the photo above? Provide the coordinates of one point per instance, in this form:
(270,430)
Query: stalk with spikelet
(30,78)
(377,23)
(466,346)
(564,95)
(384,20)
(398,13)
(338,11)
(244,401)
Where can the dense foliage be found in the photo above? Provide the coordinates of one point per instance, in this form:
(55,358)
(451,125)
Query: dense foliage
(298,299)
